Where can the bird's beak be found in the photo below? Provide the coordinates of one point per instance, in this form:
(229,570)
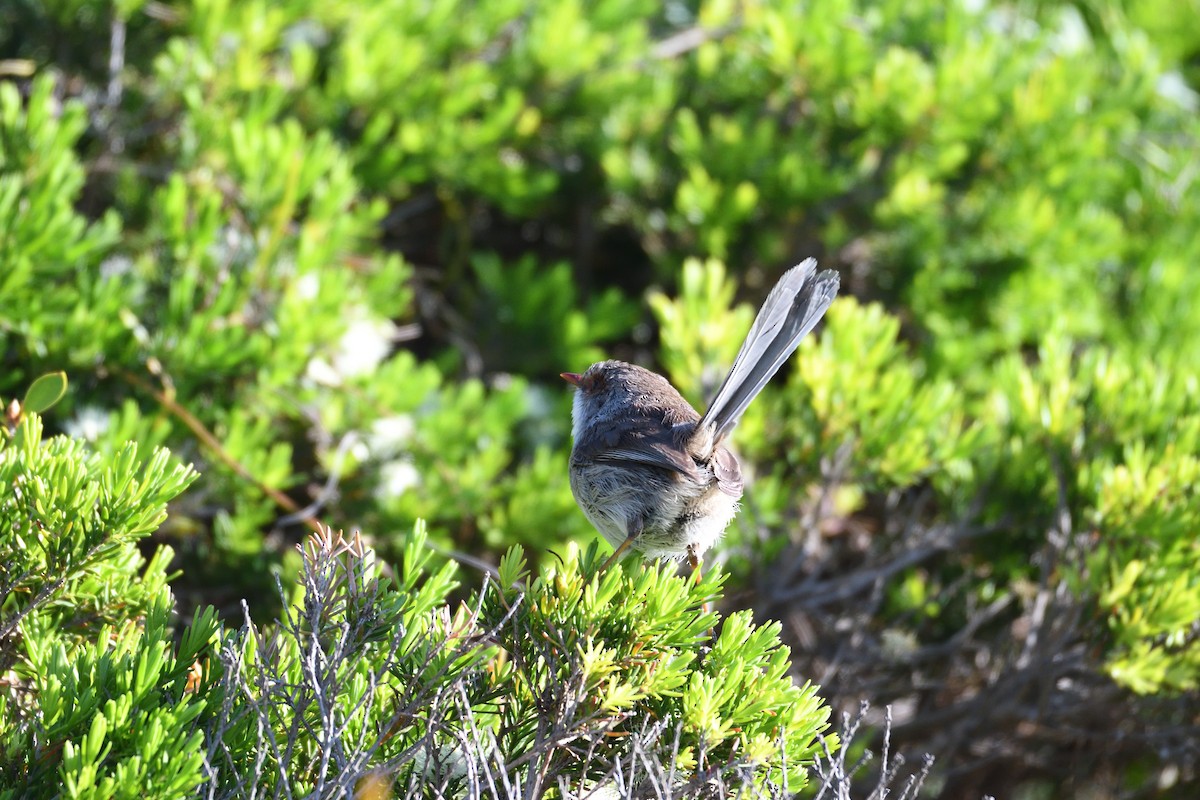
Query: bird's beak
(572,378)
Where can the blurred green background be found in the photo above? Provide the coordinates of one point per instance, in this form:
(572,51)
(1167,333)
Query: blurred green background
(336,253)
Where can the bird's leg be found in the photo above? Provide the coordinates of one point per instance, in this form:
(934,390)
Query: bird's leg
(694,562)
(635,530)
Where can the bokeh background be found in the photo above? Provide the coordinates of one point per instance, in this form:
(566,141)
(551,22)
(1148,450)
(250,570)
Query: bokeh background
(336,253)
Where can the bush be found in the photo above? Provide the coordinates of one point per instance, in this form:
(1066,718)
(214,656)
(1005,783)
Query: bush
(98,697)
(563,680)
(334,254)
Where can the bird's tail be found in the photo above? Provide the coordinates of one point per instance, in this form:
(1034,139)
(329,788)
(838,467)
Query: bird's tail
(791,310)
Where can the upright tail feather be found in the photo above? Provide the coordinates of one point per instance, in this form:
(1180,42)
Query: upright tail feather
(790,311)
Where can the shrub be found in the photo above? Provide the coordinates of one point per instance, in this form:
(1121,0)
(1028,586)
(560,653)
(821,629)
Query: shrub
(334,254)
(549,682)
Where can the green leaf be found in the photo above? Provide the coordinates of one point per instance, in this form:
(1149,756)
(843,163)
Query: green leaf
(45,392)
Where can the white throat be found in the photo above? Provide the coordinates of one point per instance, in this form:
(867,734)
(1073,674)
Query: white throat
(577,416)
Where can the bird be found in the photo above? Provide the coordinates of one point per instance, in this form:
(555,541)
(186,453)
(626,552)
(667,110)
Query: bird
(647,470)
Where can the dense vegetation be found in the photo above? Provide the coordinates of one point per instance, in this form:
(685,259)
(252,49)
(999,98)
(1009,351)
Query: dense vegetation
(312,262)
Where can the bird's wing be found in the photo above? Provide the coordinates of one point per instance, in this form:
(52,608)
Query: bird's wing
(651,444)
(656,455)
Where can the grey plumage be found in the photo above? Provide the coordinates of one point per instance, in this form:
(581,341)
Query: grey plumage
(791,310)
(646,469)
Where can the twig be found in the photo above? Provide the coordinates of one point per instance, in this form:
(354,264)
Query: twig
(212,443)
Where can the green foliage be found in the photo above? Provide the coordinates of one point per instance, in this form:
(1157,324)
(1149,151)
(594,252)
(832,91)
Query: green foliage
(1149,517)
(1093,424)
(64,512)
(43,239)
(262,304)
(699,330)
(367,678)
(533,319)
(120,709)
(607,652)
(899,425)
(45,392)
(99,697)
(335,252)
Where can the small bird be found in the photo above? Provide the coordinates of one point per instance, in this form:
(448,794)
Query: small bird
(646,469)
